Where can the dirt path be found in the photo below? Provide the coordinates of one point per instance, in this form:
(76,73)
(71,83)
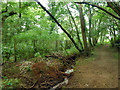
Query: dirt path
(102,72)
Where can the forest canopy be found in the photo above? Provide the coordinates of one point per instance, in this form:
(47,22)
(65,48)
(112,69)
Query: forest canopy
(83,23)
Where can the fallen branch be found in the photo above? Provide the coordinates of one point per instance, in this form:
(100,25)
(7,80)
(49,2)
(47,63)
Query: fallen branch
(47,56)
(65,82)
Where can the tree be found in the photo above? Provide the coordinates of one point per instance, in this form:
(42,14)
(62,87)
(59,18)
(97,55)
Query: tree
(19,8)
(60,26)
(90,44)
(76,28)
(101,9)
(83,28)
(114,6)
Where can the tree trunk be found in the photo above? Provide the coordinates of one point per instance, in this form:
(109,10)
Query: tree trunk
(71,27)
(90,44)
(95,38)
(64,48)
(19,8)
(34,46)
(75,28)
(56,45)
(114,31)
(60,26)
(111,34)
(83,28)
(15,50)
(101,38)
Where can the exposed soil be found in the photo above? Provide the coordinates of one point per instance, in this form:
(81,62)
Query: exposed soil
(102,72)
(41,74)
(97,71)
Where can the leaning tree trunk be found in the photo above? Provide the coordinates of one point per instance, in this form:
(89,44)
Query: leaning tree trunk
(83,28)
(75,28)
(60,26)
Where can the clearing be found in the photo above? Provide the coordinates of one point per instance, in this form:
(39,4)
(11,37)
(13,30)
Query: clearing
(98,71)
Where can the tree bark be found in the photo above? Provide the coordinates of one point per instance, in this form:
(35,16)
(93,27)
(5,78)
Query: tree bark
(19,8)
(114,31)
(90,44)
(96,35)
(60,26)
(83,28)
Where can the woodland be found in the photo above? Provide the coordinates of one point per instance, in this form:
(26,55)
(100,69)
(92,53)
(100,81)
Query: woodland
(61,45)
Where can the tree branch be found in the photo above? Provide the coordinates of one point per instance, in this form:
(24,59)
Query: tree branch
(59,26)
(99,8)
(5,17)
(113,7)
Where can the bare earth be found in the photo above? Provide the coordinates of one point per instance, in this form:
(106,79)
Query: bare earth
(99,73)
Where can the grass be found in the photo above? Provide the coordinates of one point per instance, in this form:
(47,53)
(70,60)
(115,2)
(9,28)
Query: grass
(86,60)
(115,55)
(83,61)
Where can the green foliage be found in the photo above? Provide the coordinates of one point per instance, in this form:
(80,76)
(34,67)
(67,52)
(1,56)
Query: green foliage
(72,51)
(7,52)
(37,54)
(44,43)
(117,41)
(28,35)
(35,33)
(24,50)
(10,83)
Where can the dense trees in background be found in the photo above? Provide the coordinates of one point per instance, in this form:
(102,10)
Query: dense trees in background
(28,31)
